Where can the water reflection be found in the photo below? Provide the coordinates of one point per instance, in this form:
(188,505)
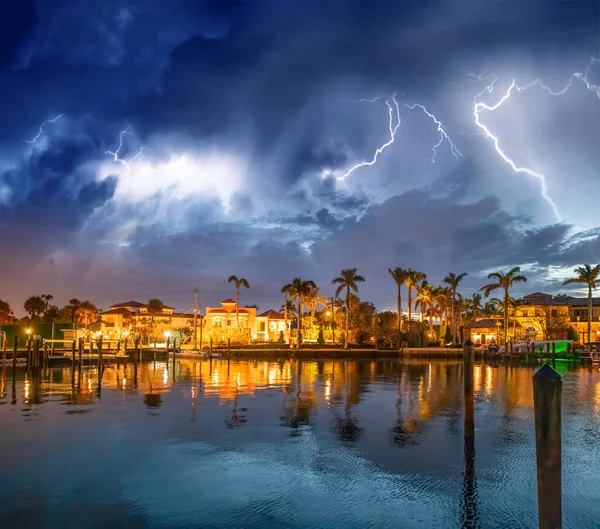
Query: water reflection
(397,425)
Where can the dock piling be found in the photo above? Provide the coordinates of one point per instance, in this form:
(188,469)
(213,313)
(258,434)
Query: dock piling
(469,359)
(73,349)
(547,389)
(14,358)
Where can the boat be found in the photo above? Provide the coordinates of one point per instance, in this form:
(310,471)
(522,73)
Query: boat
(200,353)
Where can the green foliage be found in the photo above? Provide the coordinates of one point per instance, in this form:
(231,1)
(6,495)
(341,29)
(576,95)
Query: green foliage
(183,334)
(448,335)
(155,305)
(6,314)
(321,338)
(572,334)
(35,306)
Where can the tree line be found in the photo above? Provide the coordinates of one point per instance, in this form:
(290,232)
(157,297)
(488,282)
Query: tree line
(302,299)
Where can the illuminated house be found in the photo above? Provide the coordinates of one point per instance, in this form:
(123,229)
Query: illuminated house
(220,324)
(134,317)
(541,316)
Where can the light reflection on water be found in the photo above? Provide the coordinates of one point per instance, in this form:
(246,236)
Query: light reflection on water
(286,444)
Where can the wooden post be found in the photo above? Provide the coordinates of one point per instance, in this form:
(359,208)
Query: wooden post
(4,347)
(228,346)
(100,360)
(211,347)
(53,348)
(28,363)
(547,389)
(136,352)
(553,354)
(469,359)
(14,358)
(73,349)
(80,352)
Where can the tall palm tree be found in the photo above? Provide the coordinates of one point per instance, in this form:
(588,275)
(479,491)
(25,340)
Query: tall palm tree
(413,279)
(239,282)
(426,301)
(504,281)
(453,281)
(587,275)
(287,290)
(347,280)
(399,275)
(442,302)
(47,298)
(312,301)
(298,289)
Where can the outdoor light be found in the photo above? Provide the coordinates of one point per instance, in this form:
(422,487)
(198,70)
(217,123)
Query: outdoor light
(167,334)
(28,331)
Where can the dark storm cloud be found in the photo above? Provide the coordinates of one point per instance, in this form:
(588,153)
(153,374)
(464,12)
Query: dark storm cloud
(278,81)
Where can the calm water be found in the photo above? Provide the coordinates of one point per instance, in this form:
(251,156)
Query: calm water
(287,444)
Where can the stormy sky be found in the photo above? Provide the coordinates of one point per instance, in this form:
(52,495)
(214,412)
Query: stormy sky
(148,148)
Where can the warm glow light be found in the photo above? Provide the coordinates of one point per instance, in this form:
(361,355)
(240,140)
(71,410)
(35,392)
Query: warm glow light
(28,331)
(167,334)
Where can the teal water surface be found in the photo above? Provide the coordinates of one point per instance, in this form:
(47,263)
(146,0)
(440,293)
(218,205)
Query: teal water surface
(332,443)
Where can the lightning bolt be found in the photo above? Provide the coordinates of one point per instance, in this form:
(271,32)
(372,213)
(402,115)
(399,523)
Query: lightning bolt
(116,154)
(393,126)
(479,107)
(443,135)
(39,134)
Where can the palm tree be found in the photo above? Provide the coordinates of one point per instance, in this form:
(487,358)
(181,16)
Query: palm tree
(239,282)
(347,279)
(47,298)
(399,275)
(475,305)
(287,290)
(453,281)
(587,275)
(425,301)
(298,289)
(504,281)
(34,306)
(75,304)
(412,281)
(442,302)
(312,301)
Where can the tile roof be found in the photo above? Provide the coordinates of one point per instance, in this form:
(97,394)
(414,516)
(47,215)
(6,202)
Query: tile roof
(228,301)
(217,311)
(559,300)
(135,304)
(122,311)
(489,323)
(272,315)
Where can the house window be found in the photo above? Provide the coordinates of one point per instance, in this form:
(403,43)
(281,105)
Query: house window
(554,313)
(525,314)
(217,322)
(228,323)
(262,326)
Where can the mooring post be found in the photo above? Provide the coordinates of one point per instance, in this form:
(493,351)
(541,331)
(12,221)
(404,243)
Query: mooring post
(14,358)
(547,389)
(554,354)
(136,350)
(100,360)
(53,348)
(73,349)
(228,346)
(469,360)
(28,357)
(80,352)
(4,347)
(211,347)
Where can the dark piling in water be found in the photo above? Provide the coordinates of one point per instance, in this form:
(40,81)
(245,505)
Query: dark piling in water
(547,390)
(14,358)
(469,360)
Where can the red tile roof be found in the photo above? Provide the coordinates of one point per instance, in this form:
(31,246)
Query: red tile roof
(272,315)
(217,311)
(122,311)
(228,301)
(135,304)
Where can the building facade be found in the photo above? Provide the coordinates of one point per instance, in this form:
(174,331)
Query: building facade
(541,316)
